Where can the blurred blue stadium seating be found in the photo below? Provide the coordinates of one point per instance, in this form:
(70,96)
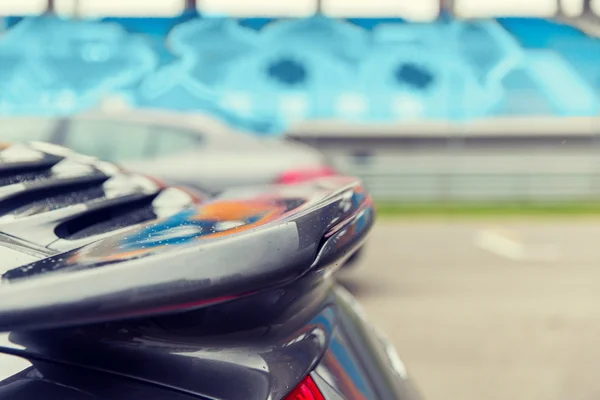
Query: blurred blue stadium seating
(51,66)
(262,73)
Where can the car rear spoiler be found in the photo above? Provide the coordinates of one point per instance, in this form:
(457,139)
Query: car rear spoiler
(242,242)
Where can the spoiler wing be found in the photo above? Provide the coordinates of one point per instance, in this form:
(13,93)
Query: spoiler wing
(239,243)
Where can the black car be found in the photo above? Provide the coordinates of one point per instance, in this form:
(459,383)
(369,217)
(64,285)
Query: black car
(116,286)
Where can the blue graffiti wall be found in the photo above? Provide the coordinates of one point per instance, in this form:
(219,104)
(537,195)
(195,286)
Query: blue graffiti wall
(263,74)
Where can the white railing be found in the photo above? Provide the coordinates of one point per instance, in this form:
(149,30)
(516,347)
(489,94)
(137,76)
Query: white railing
(121,8)
(23,7)
(418,10)
(442,177)
(263,8)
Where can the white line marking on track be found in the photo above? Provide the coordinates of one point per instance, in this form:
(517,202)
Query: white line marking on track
(500,245)
(503,246)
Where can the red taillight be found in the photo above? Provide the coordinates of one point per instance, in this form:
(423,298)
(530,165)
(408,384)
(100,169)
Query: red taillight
(307,174)
(307,390)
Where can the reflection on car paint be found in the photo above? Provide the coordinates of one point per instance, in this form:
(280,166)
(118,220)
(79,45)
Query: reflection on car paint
(351,380)
(224,217)
(384,364)
(267,368)
(206,221)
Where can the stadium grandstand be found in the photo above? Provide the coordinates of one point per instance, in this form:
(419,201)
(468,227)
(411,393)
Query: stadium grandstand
(380,62)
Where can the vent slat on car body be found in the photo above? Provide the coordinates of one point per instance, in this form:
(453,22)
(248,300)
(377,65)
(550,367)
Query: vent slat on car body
(18,171)
(17,195)
(55,198)
(109,215)
(81,194)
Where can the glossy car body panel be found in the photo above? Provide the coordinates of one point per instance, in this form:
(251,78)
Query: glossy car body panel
(262,365)
(279,239)
(263,360)
(372,368)
(223,298)
(23,379)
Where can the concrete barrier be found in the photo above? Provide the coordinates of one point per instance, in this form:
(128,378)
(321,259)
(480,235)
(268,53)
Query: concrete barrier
(560,165)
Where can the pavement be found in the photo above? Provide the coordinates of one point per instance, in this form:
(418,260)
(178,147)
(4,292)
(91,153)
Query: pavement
(488,309)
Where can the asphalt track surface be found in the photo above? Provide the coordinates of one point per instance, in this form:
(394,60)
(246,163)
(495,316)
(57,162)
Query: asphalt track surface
(488,309)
